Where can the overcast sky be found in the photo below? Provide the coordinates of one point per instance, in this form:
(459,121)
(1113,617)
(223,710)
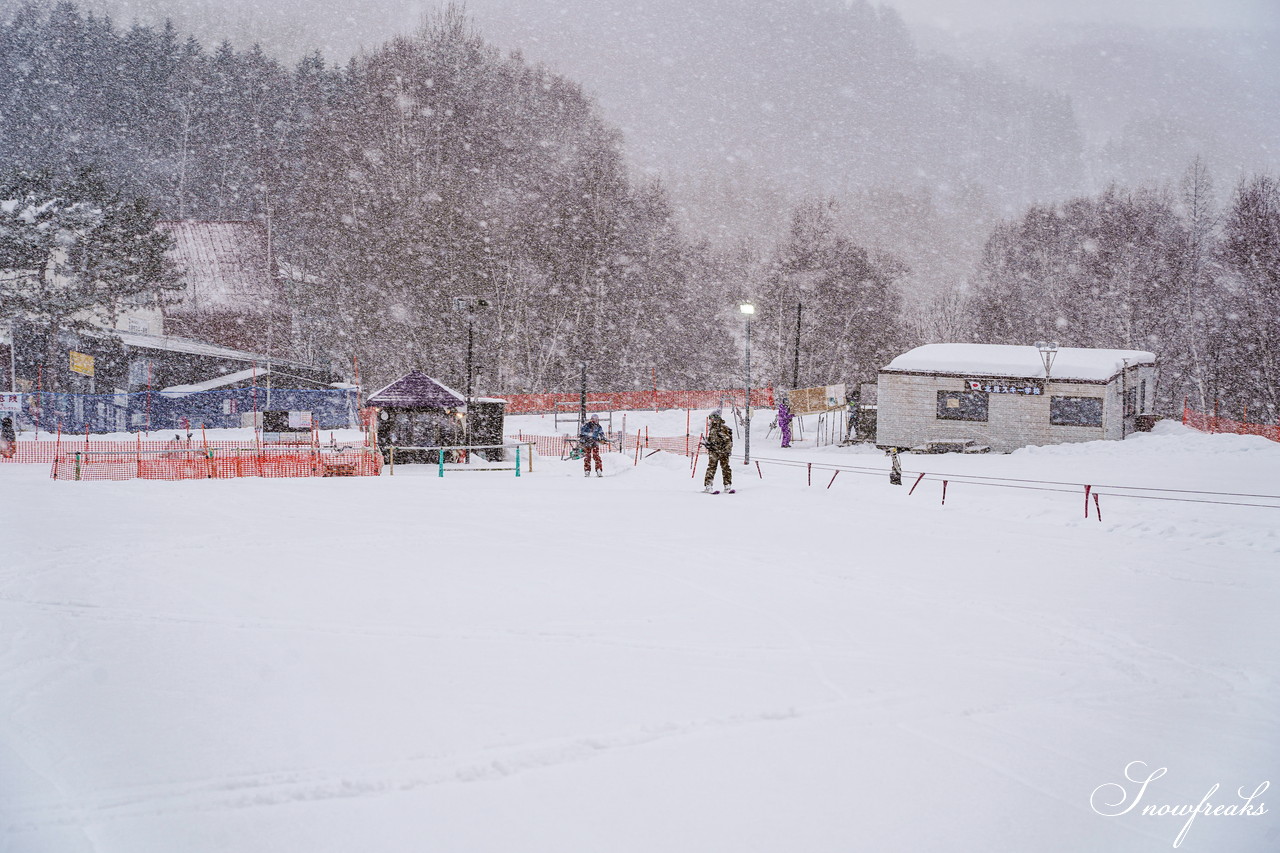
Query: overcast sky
(340,27)
(966,14)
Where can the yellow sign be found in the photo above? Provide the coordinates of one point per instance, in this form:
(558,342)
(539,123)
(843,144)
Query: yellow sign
(81,363)
(823,398)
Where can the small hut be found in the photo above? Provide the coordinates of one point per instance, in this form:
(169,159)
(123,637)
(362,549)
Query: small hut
(418,411)
(970,397)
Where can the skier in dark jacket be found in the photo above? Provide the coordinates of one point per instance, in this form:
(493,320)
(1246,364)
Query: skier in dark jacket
(8,438)
(719,444)
(590,437)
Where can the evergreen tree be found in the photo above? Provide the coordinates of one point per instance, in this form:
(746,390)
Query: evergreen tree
(1251,258)
(75,248)
(850,322)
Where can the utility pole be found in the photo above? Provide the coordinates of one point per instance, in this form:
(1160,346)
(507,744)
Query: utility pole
(795,372)
(748,310)
(470,304)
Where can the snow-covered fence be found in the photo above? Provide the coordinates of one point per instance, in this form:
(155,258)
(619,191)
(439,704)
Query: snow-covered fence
(1214,423)
(560,445)
(534,404)
(513,456)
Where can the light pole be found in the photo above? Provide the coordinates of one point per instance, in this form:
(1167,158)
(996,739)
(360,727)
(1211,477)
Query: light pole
(747,310)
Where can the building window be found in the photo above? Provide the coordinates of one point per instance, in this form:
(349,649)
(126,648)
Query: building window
(1131,402)
(1075,411)
(138,372)
(962,406)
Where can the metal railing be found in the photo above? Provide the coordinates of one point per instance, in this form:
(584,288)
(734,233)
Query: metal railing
(457,465)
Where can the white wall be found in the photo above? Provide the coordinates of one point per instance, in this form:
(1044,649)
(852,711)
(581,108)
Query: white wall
(908,404)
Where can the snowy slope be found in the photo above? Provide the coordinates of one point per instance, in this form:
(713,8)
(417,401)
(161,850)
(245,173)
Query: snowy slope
(485,663)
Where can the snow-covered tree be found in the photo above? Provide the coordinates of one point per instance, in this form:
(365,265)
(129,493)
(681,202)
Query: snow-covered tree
(75,248)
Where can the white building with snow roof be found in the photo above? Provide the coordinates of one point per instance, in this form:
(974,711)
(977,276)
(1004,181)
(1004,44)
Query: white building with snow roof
(975,396)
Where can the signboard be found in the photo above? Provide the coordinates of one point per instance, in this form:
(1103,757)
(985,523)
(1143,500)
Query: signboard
(1005,386)
(822,398)
(81,363)
(299,420)
(10,402)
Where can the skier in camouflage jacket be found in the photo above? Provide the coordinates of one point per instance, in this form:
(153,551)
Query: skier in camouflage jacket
(719,444)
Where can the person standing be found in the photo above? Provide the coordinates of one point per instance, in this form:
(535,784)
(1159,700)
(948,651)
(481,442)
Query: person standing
(590,437)
(8,438)
(719,444)
(784,422)
(895,467)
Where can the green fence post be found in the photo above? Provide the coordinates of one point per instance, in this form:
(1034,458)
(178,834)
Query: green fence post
(77,464)
(517,460)
(440,455)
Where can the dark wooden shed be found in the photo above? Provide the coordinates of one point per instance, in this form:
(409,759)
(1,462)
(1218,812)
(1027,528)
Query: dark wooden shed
(419,411)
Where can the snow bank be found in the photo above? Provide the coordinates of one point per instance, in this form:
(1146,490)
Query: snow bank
(553,663)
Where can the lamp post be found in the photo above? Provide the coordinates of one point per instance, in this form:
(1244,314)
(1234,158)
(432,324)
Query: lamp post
(748,310)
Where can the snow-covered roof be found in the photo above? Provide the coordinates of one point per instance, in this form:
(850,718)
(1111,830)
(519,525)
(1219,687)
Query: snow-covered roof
(1024,362)
(171,343)
(226,266)
(174,391)
(416,390)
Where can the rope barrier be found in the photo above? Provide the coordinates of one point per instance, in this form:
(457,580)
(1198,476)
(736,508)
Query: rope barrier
(1039,485)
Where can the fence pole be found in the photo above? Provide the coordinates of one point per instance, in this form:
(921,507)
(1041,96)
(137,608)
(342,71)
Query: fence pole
(440,456)
(517,460)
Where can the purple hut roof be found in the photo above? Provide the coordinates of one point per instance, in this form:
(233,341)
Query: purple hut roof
(416,391)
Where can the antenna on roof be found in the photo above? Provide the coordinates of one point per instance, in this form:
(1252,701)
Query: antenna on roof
(1048,352)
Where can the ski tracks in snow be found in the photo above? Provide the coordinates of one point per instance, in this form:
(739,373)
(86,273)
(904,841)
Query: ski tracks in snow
(273,788)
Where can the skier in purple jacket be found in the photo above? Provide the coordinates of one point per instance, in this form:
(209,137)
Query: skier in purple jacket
(784,423)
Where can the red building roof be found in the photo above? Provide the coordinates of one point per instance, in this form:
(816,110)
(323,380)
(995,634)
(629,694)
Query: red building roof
(227,266)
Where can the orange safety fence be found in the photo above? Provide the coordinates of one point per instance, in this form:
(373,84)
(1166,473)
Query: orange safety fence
(158,460)
(43,452)
(534,404)
(1213,423)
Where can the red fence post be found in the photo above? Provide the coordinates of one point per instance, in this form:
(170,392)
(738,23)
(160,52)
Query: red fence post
(916,483)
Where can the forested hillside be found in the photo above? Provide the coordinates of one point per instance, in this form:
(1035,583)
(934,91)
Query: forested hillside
(427,169)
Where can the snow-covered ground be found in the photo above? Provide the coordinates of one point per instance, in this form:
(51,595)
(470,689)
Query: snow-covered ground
(485,663)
